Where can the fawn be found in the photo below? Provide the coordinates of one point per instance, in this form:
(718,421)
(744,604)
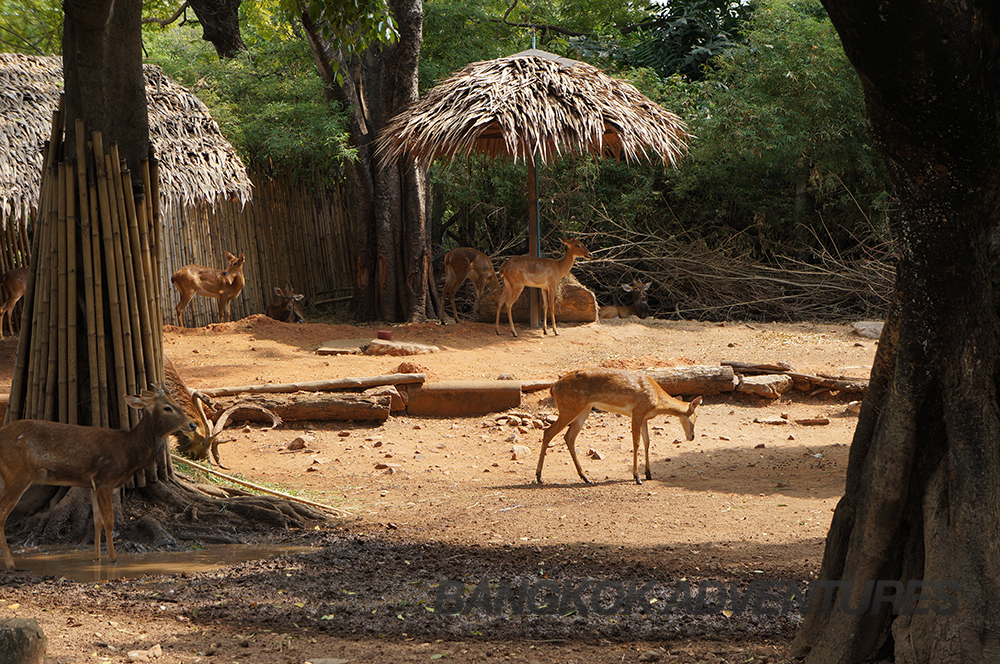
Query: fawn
(626,392)
(286,309)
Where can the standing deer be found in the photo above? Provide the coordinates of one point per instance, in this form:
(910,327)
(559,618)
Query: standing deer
(13,285)
(91,457)
(537,272)
(224,285)
(639,306)
(466,263)
(286,309)
(626,392)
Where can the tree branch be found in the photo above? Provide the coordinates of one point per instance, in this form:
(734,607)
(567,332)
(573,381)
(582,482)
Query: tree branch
(164,22)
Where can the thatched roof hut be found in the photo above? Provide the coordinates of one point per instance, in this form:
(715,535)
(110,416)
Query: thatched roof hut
(197,164)
(533,106)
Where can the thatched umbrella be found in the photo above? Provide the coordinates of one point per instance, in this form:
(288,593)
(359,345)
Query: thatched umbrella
(533,106)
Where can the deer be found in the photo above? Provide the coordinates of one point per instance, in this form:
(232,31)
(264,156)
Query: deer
(13,285)
(196,443)
(286,309)
(537,272)
(626,392)
(102,459)
(639,306)
(224,285)
(466,263)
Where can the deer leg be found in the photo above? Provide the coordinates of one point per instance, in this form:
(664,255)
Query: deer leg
(637,429)
(185,298)
(552,305)
(223,310)
(547,436)
(571,434)
(645,440)
(105,515)
(11,494)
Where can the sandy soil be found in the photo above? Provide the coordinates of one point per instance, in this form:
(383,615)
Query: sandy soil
(435,499)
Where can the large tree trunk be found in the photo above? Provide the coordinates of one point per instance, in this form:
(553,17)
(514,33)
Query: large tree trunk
(387,204)
(923,481)
(220,24)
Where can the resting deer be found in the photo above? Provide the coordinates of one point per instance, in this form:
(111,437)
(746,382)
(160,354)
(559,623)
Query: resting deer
(626,392)
(13,285)
(196,443)
(537,272)
(224,285)
(639,306)
(286,309)
(43,452)
(466,263)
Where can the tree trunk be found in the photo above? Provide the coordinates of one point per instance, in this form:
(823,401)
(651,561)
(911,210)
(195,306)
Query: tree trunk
(387,205)
(220,24)
(923,480)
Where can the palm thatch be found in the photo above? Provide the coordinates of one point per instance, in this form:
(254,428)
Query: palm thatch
(533,106)
(197,164)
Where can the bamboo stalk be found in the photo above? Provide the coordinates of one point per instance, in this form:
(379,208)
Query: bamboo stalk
(110,273)
(62,291)
(139,308)
(101,368)
(71,298)
(88,270)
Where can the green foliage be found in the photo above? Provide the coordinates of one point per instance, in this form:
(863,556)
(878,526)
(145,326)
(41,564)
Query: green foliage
(33,27)
(686,35)
(270,106)
(782,139)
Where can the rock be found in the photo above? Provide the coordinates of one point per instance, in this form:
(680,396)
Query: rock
(772,386)
(854,407)
(383,347)
(22,642)
(770,420)
(650,656)
(519,452)
(594,454)
(868,328)
(397,400)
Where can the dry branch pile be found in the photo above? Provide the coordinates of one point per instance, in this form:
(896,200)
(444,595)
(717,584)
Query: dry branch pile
(692,280)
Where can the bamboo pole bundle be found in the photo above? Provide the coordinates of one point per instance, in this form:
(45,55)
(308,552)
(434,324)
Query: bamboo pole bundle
(72,369)
(90,295)
(113,166)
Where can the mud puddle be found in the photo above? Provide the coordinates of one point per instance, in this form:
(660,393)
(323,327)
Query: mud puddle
(76,564)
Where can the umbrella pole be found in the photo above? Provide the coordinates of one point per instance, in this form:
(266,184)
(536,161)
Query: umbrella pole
(534,243)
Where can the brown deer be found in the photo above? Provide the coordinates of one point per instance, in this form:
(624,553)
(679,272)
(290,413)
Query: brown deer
(537,272)
(196,443)
(286,309)
(225,285)
(639,306)
(626,392)
(466,263)
(13,285)
(92,457)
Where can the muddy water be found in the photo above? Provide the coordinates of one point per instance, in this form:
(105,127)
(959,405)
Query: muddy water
(77,563)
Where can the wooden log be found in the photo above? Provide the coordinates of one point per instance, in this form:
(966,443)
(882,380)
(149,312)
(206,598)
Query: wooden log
(341,384)
(803,381)
(301,406)
(699,380)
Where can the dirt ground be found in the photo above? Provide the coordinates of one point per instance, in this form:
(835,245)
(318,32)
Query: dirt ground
(433,500)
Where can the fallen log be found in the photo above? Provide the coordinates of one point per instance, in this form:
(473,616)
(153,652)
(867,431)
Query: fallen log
(306,406)
(699,380)
(331,385)
(803,381)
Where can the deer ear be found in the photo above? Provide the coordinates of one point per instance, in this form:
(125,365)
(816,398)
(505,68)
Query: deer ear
(228,255)
(298,297)
(694,404)
(278,291)
(135,402)
(627,288)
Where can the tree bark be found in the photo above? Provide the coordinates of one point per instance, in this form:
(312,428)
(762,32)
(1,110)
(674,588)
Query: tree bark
(387,204)
(220,24)
(923,480)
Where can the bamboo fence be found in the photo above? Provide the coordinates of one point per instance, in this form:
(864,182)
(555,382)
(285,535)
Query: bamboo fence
(290,234)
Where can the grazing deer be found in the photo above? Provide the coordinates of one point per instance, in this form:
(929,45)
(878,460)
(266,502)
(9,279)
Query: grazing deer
(225,285)
(639,306)
(13,285)
(466,263)
(537,272)
(626,392)
(91,457)
(286,309)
